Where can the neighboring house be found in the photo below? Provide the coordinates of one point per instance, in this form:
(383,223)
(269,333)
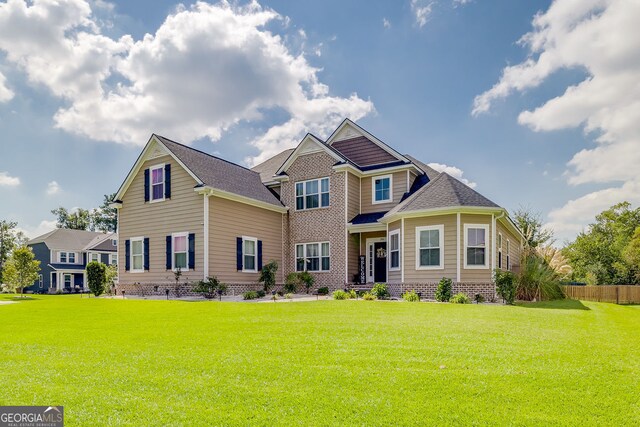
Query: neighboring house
(64,254)
(350,209)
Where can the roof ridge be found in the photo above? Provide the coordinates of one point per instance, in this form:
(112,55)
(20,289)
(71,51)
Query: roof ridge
(203,152)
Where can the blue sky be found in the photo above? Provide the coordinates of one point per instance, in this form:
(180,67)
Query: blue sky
(529,100)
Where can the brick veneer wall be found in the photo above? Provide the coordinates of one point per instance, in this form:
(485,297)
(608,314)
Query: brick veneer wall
(148,289)
(316,225)
(487,290)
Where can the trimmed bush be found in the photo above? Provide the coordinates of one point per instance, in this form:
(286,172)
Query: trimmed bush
(323,291)
(380,291)
(478,298)
(368,296)
(210,287)
(351,294)
(339,294)
(506,285)
(96,277)
(261,293)
(444,290)
(250,295)
(411,296)
(307,280)
(268,275)
(292,282)
(460,298)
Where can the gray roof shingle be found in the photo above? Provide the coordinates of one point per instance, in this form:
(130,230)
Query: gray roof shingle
(66,239)
(221,174)
(428,170)
(443,192)
(269,167)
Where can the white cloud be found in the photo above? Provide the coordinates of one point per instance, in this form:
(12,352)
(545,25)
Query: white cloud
(53,188)
(6,94)
(457,3)
(44,227)
(601,38)
(7,180)
(205,69)
(422,11)
(386,23)
(453,171)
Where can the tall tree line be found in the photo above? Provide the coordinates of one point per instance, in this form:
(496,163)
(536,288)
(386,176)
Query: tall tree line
(103,218)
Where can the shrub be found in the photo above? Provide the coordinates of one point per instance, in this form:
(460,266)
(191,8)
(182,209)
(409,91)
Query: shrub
(352,294)
(261,293)
(250,295)
(478,298)
(288,295)
(537,280)
(411,296)
(292,282)
(307,280)
(339,294)
(96,277)
(506,285)
(323,291)
(444,290)
(460,298)
(380,291)
(210,287)
(268,275)
(368,296)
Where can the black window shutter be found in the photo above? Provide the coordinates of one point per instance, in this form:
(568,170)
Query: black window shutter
(167,181)
(239,253)
(259,255)
(127,255)
(146,253)
(169,263)
(192,251)
(146,185)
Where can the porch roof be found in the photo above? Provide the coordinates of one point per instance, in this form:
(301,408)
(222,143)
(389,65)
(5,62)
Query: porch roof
(367,218)
(63,267)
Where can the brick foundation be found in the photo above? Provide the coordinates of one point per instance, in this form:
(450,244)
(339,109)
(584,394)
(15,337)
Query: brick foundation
(428,290)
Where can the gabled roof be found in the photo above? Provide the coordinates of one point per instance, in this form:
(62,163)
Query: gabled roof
(268,168)
(363,152)
(208,171)
(102,243)
(428,170)
(443,192)
(311,144)
(65,239)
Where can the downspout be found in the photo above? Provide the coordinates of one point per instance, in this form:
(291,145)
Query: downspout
(346,232)
(206,236)
(458,261)
(402,250)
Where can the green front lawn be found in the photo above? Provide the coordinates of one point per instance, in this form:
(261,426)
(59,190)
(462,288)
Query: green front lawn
(136,362)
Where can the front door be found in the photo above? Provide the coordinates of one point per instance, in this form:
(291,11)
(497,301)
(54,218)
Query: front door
(380,262)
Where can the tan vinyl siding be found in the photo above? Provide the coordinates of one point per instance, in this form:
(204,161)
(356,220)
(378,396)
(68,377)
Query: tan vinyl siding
(411,274)
(475,275)
(184,212)
(399,186)
(394,276)
(228,220)
(353,209)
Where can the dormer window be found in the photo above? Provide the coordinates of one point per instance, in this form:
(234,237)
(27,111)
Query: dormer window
(157,183)
(381,190)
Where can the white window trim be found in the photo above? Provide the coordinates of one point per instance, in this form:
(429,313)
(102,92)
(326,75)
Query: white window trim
(114,242)
(487,245)
(508,260)
(373,189)
(131,269)
(399,250)
(64,280)
(304,251)
(40,281)
(90,254)
(255,255)
(164,183)
(113,259)
(440,228)
(173,250)
(304,194)
(67,253)
(500,262)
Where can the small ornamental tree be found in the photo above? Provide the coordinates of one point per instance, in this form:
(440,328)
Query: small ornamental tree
(21,270)
(444,290)
(210,287)
(307,280)
(96,277)
(268,275)
(506,285)
(292,282)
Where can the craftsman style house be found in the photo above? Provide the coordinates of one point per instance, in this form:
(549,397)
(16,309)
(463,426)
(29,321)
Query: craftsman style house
(350,209)
(64,255)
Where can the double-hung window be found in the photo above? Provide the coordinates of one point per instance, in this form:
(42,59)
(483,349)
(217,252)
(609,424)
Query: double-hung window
(508,255)
(94,257)
(137,255)
(67,280)
(62,257)
(180,250)
(500,251)
(394,250)
(313,257)
(249,251)
(114,259)
(312,194)
(475,246)
(430,247)
(157,183)
(381,190)
(72,257)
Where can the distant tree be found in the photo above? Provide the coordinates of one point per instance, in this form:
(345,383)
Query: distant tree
(105,218)
(21,269)
(607,253)
(530,223)
(96,277)
(9,240)
(80,219)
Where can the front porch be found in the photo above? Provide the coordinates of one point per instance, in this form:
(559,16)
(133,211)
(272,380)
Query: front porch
(68,280)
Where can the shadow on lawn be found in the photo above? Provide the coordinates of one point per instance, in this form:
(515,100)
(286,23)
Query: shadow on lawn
(17,297)
(564,304)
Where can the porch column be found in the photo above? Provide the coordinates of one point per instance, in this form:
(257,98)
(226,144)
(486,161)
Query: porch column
(84,280)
